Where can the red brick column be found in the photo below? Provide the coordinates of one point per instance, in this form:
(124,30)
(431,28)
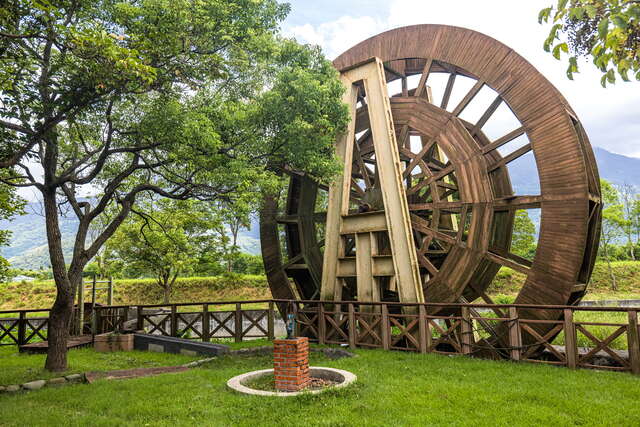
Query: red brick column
(291,364)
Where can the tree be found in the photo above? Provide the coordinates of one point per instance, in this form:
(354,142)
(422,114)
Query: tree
(612,220)
(166,238)
(628,197)
(606,30)
(10,205)
(523,240)
(177,98)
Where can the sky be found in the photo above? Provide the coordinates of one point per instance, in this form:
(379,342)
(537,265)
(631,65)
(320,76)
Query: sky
(610,115)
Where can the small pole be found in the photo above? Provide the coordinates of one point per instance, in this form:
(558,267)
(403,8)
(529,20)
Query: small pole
(270,322)
(206,331)
(140,319)
(570,339)
(515,335)
(466,331)
(110,292)
(633,342)
(93,292)
(352,326)
(81,308)
(237,330)
(422,328)
(22,327)
(386,330)
(322,325)
(174,321)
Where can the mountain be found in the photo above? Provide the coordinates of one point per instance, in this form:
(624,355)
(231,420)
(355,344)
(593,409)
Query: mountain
(28,248)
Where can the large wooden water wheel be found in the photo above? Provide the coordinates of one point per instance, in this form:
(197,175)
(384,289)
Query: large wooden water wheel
(458,201)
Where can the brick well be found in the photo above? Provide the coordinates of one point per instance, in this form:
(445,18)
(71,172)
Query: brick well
(291,364)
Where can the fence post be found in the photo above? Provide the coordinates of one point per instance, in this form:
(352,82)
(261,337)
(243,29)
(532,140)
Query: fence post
(570,339)
(140,319)
(352,327)
(322,324)
(296,331)
(22,327)
(271,322)
(237,330)
(515,335)
(633,342)
(125,316)
(422,328)
(386,329)
(206,327)
(466,331)
(93,292)
(81,308)
(110,292)
(174,321)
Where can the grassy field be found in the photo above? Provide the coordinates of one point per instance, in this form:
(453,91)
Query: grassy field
(393,388)
(145,291)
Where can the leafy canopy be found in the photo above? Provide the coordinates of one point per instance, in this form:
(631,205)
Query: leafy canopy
(606,30)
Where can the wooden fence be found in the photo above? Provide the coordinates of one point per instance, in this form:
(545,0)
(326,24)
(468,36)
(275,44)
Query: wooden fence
(558,335)
(586,337)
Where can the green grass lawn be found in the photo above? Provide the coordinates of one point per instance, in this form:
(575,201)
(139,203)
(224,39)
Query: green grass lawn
(393,388)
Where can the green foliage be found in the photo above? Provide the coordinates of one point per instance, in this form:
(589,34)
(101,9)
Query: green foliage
(248,264)
(10,205)
(606,30)
(165,238)
(523,240)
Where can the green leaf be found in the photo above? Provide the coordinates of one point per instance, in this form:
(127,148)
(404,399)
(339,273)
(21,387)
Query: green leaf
(543,16)
(591,11)
(562,47)
(619,21)
(603,28)
(562,4)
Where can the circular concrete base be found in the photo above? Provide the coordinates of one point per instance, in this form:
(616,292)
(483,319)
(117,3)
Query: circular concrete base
(343,378)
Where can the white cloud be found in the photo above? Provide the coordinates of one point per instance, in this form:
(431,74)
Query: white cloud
(610,115)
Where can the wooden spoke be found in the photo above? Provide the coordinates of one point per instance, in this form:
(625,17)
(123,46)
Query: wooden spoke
(508,263)
(503,140)
(509,158)
(487,114)
(518,202)
(418,157)
(447,91)
(422,84)
(423,227)
(468,98)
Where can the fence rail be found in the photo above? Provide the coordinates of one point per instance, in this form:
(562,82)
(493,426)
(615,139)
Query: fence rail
(571,336)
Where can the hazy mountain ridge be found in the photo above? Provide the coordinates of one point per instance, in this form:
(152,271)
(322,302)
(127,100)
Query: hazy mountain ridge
(28,247)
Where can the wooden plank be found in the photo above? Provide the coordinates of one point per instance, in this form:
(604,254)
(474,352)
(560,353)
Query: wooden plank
(510,157)
(330,289)
(322,325)
(366,284)
(503,140)
(364,223)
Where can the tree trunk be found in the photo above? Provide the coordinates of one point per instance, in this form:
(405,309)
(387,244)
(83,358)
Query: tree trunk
(61,312)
